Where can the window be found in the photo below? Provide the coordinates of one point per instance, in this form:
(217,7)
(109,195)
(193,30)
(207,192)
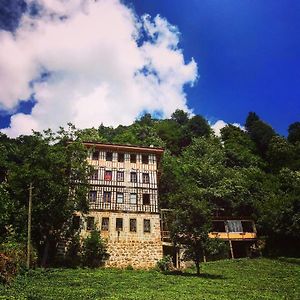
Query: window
(133,158)
(120,157)
(90,224)
(145,159)
(218,226)
(119,224)
(120,176)
(145,178)
(247,226)
(132,198)
(146,225)
(109,156)
(132,225)
(94,176)
(120,197)
(108,175)
(133,177)
(106,197)
(105,224)
(92,196)
(146,199)
(234,226)
(76,222)
(95,155)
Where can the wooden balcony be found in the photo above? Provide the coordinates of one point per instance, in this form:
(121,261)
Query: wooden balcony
(235,236)
(227,230)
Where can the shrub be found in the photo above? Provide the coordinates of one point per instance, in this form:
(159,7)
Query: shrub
(74,252)
(165,264)
(8,269)
(217,249)
(13,259)
(129,268)
(94,252)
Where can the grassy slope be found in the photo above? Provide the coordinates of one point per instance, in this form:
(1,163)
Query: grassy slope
(238,279)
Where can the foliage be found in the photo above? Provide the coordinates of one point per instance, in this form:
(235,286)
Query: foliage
(8,269)
(260,132)
(13,257)
(73,255)
(94,251)
(227,279)
(239,148)
(58,172)
(165,264)
(279,214)
(294,133)
(280,154)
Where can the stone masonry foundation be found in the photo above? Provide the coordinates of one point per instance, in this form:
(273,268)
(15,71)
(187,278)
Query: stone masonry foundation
(138,249)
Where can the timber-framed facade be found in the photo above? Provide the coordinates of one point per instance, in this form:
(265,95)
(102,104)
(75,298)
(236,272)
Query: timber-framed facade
(123,201)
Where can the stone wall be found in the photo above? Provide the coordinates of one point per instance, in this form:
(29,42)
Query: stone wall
(137,249)
(138,254)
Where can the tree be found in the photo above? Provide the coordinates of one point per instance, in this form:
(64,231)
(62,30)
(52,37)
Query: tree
(90,135)
(197,126)
(260,132)
(191,225)
(279,213)
(168,183)
(280,154)
(239,148)
(171,133)
(58,171)
(181,117)
(94,250)
(294,133)
(194,195)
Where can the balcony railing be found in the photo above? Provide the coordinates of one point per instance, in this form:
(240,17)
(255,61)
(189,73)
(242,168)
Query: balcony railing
(113,206)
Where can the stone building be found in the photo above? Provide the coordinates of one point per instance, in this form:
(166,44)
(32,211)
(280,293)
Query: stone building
(123,201)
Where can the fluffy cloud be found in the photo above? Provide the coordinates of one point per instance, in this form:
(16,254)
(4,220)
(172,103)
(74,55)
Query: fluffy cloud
(216,127)
(103,64)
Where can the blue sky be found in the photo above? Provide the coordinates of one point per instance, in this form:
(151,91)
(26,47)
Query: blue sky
(247,55)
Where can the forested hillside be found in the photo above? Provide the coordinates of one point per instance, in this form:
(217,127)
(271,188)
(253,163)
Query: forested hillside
(253,172)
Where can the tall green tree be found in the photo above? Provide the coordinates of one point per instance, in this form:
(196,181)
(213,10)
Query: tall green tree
(180,117)
(239,149)
(294,133)
(280,154)
(191,225)
(58,171)
(260,132)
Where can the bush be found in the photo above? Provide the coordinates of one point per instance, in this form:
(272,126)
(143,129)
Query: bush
(74,252)
(94,252)
(8,269)
(165,264)
(13,260)
(217,249)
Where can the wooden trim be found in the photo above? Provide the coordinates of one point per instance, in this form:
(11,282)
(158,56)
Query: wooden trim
(124,148)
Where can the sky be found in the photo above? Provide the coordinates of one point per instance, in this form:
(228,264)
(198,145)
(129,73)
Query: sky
(106,61)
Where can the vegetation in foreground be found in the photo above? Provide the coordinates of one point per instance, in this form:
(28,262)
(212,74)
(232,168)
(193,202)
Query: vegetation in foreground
(227,279)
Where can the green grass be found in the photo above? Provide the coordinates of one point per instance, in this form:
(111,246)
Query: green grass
(227,279)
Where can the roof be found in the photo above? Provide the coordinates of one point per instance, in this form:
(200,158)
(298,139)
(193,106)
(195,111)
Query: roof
(125,148)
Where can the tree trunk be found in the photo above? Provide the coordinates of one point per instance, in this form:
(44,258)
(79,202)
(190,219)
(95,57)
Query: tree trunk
(197,263)
(45,253)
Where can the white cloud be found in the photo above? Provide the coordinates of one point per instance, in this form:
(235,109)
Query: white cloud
(101,68)
(217,126)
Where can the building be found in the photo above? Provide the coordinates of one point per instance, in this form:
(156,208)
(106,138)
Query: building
(123,200)
(239,233)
